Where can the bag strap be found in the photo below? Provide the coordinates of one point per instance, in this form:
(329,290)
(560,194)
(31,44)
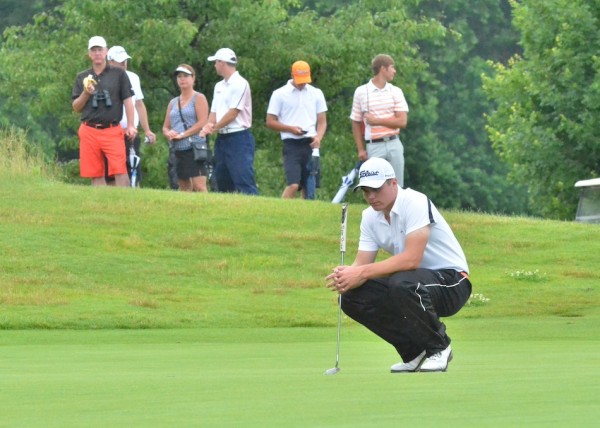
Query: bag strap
(181,115)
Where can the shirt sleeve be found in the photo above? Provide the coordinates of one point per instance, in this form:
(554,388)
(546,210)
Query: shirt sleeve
(126,89)
(417,212)
(357,111)
(237,94)
(367,241)
(321,103)
(77,86)
(400,103)
(136,86)
(274,104)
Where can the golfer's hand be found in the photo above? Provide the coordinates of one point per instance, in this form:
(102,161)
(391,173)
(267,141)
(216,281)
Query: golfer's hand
(150,136)
(297,130)
(371,119)
(316,143)
(363,155)
(207,129)
(131,132)
(344,278)
(171,134)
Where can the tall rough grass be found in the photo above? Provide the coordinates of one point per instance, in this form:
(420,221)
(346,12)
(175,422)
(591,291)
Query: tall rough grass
(20,158)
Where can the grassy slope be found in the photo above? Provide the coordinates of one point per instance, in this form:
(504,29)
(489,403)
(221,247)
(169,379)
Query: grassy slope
(81,257)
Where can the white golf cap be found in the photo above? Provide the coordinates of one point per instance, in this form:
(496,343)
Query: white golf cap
(97,41)
(224,54)
(374,172)
(117,53)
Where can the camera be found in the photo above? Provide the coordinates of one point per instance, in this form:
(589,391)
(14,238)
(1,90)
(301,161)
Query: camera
(103,95)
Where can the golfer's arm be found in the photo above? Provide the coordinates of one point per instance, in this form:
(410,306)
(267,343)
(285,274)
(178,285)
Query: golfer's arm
(398,120)
(142,114)
(128,103)
(358,136)
(364,258)
(273,123)
(321,124)
(80,102)
(409,259)
(226,119)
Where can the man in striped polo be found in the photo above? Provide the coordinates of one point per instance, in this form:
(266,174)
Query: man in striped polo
(379,111)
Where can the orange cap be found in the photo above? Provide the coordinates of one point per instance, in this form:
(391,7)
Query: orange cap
(301,72)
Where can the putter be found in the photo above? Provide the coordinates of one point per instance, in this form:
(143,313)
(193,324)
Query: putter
(336,369)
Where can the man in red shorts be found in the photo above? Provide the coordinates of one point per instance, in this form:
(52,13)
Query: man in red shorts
(100,94)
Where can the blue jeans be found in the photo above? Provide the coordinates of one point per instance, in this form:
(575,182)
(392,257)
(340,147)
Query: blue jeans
(234,167)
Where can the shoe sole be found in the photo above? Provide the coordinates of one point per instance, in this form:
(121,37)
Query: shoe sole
(415,370)
(441,370)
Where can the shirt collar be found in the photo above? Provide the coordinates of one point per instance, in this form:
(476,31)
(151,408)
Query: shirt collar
(395,211)
(373,88)
(291,86)
(234,76)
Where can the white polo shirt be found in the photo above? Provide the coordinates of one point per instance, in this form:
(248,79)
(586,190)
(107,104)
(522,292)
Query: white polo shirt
(411,211)
(298,108)
(137,95)
(384,102)
(233,93)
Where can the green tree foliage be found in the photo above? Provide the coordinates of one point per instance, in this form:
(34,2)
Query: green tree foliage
(545,124)
(462,170)
(446,157)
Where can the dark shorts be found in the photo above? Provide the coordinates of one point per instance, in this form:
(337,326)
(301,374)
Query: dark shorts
(296,155)
(187,167)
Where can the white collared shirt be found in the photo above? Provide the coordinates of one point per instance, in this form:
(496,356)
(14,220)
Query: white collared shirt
(233,93)
(136,87)
(297,108)
(412,210)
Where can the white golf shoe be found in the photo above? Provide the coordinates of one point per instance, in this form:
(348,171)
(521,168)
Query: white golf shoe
(437,362)
(411,366)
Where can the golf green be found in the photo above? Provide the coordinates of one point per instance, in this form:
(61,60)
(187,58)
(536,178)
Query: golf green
(541,372)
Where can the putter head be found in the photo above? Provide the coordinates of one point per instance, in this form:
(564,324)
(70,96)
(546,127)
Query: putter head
(332,371)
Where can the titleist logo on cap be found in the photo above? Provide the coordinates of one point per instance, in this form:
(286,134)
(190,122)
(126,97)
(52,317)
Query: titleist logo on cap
(368,174)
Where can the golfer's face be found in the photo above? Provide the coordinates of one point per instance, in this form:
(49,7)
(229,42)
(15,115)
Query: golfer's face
(219,66)
(382,197)
(389,72)
(184,80)
(97,54)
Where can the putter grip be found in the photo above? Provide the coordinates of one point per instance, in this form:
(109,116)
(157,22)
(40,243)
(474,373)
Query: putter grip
(344,223)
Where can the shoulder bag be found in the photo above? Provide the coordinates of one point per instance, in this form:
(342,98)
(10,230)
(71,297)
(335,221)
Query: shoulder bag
(199,147)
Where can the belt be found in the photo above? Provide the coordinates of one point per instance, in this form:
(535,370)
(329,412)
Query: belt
(101,125)
(383,139)
(230,130)
(305,140)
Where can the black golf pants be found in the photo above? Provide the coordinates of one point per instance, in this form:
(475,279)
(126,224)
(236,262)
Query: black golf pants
(404,309)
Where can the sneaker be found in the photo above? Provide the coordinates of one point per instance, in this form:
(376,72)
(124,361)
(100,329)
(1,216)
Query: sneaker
(438,362)
(411,366)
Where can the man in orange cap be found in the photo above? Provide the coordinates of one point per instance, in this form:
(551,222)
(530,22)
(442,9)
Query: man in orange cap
(299,112)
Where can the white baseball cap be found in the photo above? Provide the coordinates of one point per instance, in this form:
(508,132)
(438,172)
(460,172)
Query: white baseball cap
(117,53)
(97,41)
(374,172)
(224,54)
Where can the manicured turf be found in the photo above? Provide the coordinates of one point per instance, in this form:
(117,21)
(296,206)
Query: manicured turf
(210,311)
(506,372)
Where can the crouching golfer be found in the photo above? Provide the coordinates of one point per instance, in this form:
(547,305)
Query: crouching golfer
(402,298)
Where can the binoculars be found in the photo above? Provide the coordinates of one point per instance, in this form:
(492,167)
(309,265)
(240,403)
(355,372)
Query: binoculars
(103,95)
